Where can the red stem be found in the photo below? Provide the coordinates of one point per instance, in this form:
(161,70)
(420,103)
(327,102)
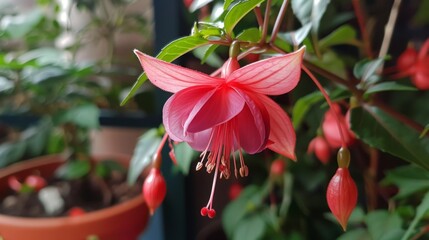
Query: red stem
(258,15)
(157,160)
(266,22)
(360,15)
(328,100)
(279,20)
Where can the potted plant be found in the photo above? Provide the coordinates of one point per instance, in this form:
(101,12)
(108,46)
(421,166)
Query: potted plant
(42,85)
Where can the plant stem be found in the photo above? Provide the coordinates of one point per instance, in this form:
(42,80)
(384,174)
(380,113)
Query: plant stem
(331,105)
(279,20)
(258,15)
(266,22)
(388,31)
(371,178)
(360,15)
(157,160)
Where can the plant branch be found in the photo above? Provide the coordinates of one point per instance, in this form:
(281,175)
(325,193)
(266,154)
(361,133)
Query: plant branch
(360,15)
(388,31)
(258,15)
(266,22)
(279,20)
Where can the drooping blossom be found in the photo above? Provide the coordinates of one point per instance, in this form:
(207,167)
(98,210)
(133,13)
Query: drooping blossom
(154,189)
(331,131)
(415,65)
(320,147)
(231,113)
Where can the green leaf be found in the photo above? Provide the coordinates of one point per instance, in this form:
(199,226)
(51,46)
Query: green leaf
(303,105)
(422,209)
(378,129)
(106,167)
(361,234)
(236,210)
(184,155)
(197,4)
(302,10)
(310,12)
(296,37)
(205,54)
(11,152)
(250,35)
(143,154)
(343,35)
(251,228)
(237,12)
(226,4)
(5,84)
(388,86)
(425,131)
(383,225)
(36,137)
(73,170)
(365,70)
(169,53)
(85,116)
(20,25)
(319,8)
(409,180)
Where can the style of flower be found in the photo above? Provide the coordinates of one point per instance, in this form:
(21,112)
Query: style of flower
(231,113)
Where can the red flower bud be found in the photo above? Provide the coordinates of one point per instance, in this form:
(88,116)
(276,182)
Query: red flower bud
(420,79)
(406,60)
(35,182)
(277,167)
(342,196)
(331,131)
(235,190)
(154,189)
(321,149)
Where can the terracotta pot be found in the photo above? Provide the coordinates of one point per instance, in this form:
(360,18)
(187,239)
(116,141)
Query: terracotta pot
(124,221)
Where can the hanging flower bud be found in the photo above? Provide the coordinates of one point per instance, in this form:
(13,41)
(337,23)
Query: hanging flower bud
(154,189)
(421,77)
(406,60)
(234,191)
(331,131)
(321,149)
(341,194)
(277,168)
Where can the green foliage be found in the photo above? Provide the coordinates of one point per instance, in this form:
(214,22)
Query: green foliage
(73,170)
(184,156)
(378,129)
(143,153)
(237,12)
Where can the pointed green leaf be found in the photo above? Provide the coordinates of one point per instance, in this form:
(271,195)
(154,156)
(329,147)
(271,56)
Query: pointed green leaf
(303,105)
(365,69)
(169,53)
(73,170)
(251,228)
(237,12)
(343,35)
(184,155)
(378,129)
(384,225)
(422,209)
(409,180)
(143,154)
(389,86)
(250,35)
(319,8)
(302,10)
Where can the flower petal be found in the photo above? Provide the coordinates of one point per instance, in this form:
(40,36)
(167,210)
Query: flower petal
(272,76)
(282,134)
(173,78)
(221,106)
(252,125)
(177,109)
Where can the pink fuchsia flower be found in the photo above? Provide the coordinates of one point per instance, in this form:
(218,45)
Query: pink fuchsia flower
(222,115)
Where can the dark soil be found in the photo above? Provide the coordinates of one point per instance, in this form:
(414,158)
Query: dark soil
(89,193)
